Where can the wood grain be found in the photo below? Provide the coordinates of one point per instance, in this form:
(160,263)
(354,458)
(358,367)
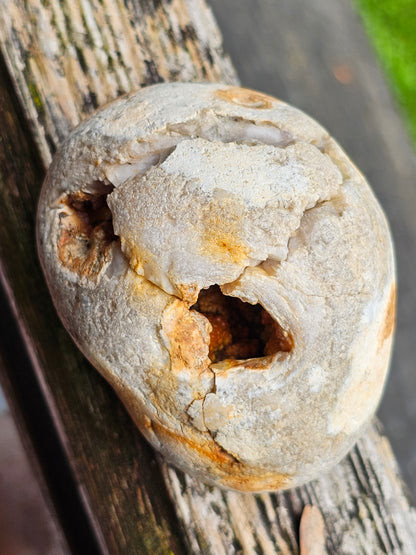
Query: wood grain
(65,59)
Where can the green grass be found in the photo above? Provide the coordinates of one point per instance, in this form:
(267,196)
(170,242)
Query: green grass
(391,27)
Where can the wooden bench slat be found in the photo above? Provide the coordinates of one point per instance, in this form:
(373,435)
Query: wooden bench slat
(65,58)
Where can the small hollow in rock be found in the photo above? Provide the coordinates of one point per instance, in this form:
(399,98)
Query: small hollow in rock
(240,330)
(85,231)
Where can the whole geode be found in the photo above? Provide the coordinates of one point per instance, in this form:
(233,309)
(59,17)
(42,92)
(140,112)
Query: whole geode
(217,257)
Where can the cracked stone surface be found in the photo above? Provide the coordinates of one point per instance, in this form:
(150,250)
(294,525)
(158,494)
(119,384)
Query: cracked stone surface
(179,189)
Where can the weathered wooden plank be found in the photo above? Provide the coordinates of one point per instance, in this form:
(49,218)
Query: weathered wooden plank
(65,59)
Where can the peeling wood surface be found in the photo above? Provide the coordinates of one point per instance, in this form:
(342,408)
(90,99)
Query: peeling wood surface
(64,59)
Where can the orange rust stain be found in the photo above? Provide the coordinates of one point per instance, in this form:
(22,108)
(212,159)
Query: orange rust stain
(188,347)
(226,246)
(263,482)
(246,97)
(135,256)
(210,450)
(221,231)
(222,244)
(85,233)
(259,363)
(188,292)
(390,318)
(232,473)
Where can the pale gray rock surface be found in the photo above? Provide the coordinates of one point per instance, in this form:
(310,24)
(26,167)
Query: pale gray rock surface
(187,188)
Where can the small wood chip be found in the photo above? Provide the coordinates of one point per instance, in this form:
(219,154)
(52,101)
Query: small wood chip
(312,532)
